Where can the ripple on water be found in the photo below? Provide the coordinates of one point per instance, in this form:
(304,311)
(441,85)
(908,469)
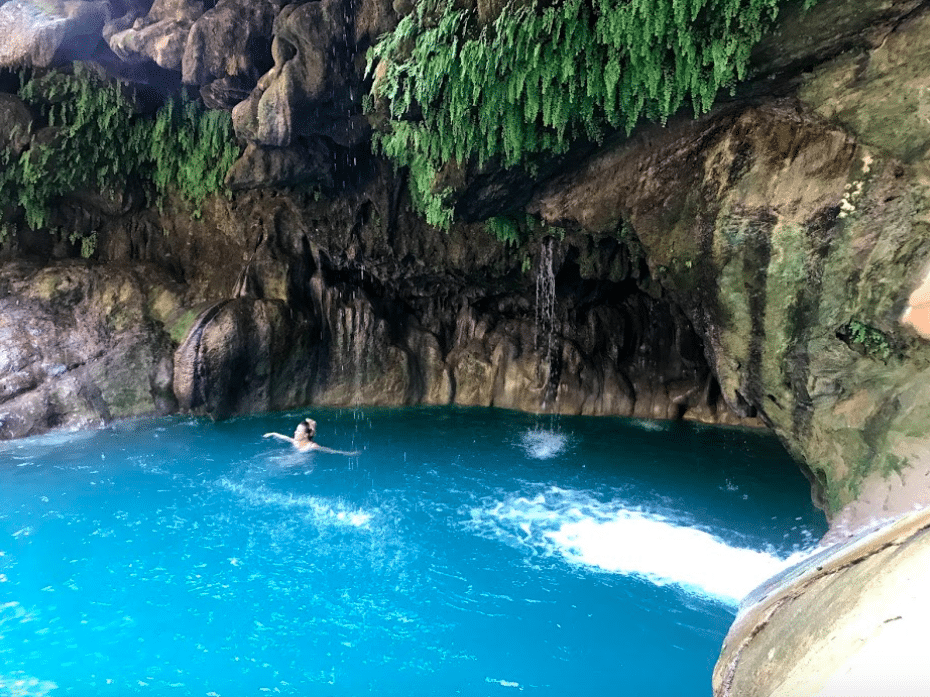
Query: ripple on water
(321,510)
(21,685)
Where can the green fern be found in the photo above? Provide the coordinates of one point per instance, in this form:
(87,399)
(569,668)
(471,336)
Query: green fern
(100,143)
(540,77)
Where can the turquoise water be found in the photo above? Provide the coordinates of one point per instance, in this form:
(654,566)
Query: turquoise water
(463,552)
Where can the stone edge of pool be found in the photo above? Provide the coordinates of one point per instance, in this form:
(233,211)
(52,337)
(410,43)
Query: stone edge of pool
(848,620)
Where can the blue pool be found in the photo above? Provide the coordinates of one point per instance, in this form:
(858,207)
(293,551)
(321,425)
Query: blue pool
(462,552)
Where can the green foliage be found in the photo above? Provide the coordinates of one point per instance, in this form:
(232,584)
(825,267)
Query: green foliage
(541,76)
(505,229)
(872,342)
(515,231)
(96,141)
(88,243)
(192,149)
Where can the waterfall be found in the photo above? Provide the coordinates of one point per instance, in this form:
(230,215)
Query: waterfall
(545,318)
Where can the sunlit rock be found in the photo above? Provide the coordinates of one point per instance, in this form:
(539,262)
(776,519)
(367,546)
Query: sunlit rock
(49,33)
(161,35)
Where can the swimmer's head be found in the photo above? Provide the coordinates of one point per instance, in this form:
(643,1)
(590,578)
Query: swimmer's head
(306,429)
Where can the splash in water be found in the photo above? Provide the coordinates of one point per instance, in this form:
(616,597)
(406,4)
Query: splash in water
(543,445)
(606,536)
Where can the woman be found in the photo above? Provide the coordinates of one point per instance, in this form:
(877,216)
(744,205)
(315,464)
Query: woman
(303,439)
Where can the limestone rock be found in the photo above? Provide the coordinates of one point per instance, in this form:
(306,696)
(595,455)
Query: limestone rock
(50,33)
(161,35)
(225,93)
(307,92)
(73,351)
(15,124)
(132,10)
(848,622)
(272,167)
(882,95)
(232,39)
(241,356)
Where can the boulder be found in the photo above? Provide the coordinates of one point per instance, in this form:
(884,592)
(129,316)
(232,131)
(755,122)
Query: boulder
(50,33)
(231,40)
(15,124)
(161,35)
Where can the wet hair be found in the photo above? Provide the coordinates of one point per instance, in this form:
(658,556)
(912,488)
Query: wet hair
(307,427)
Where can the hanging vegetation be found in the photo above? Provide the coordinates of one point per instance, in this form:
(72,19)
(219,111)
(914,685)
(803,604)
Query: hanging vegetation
(95,140)
(541,76)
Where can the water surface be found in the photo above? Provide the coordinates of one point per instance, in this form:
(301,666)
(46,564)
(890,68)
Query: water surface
(463,552)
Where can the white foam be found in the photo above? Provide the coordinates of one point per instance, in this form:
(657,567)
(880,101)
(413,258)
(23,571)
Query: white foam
(542,444)
(22,685)
(608,537)
(321,510)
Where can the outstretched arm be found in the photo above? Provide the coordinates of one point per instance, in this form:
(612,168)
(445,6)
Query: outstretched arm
(324,449)
(279,437)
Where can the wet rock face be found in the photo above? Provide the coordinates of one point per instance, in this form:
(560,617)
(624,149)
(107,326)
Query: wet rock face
(76,348)
(241,356)
(362,304)
(794,245)
(271,302)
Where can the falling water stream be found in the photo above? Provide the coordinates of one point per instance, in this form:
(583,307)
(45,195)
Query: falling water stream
(545,319)
(463,552)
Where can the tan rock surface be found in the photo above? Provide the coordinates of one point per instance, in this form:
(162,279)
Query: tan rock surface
(851,622)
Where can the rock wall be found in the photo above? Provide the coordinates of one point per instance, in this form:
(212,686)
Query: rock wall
(767,263)
(760,262)
(273,301)
(794,231)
